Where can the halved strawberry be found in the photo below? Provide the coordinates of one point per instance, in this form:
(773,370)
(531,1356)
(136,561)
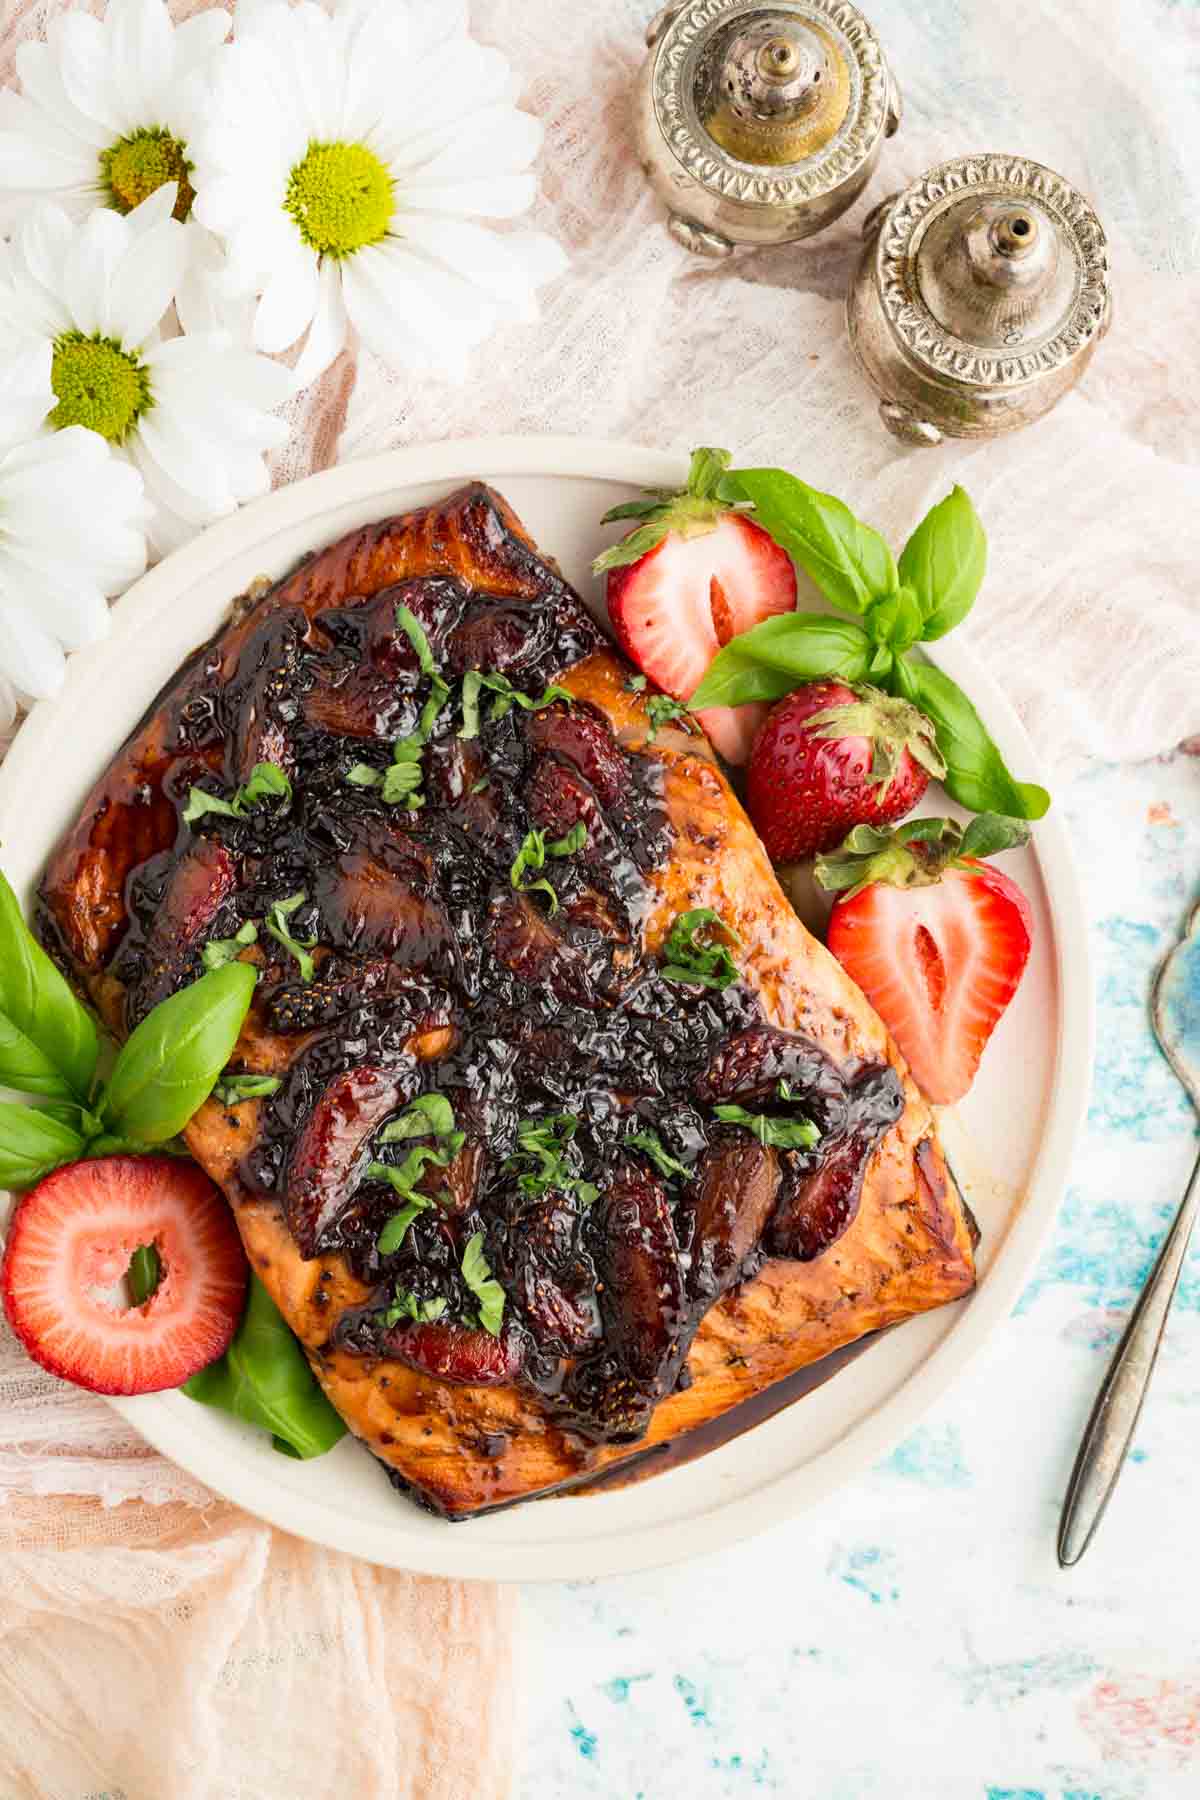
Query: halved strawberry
(936,940)
(693,574)
(70,1244)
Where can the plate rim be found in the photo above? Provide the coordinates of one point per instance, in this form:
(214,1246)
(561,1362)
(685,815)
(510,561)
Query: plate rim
(726,1521)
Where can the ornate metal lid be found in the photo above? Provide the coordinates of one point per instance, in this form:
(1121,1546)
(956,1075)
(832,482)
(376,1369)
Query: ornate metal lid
(993,270)
(774,102)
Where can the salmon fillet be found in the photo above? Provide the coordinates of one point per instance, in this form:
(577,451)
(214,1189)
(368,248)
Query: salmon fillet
(657,1264)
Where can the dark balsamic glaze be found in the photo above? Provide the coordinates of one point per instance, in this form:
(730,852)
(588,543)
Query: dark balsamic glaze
(528,1008)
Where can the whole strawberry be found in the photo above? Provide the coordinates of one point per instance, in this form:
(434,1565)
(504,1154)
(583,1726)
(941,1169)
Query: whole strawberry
(828,757)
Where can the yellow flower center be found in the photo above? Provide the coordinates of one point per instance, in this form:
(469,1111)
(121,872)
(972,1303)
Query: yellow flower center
(340,196)
(133,167)
(97,384)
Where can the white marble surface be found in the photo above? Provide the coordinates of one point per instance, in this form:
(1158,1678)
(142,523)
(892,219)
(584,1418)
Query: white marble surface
(913,1638)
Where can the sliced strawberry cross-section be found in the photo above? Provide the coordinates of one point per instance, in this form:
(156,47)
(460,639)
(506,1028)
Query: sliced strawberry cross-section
(70,1244)
(694,574)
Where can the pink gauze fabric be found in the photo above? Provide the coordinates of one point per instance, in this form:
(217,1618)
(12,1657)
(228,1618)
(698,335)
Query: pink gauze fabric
(144,1646)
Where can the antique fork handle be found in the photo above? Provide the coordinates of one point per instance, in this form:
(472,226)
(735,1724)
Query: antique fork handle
(1119,1403)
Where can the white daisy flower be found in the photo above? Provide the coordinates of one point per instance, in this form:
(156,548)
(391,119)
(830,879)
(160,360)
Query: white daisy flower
(106,115)
(71,520)
(191,413)
(347,160)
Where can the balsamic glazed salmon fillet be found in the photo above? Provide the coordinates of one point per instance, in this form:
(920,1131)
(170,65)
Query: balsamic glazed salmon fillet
(657,1265)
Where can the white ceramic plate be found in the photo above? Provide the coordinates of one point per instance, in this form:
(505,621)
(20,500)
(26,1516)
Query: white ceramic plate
(1012,1152)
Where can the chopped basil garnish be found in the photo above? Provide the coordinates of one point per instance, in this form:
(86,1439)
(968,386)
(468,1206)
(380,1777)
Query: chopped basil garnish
(533,854)
(407,1306)
(429,1115)
(267,782)
(685,958)
(636,684)
(660,710)
(659,1155)
(506,697)
(477,1274)
(780,1134)
(546,1143)
(478,787)
(414,631)
(219,951)
(235,1088)
(276,927)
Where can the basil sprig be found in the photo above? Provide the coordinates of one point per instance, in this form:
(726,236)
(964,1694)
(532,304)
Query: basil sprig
(894,608)
(544,1159)
(666,1164)
(504,697)
(264,1379)
(533,853)
(49,1049)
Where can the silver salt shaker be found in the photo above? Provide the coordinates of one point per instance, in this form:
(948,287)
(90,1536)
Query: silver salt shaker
(760,123)
(982,292)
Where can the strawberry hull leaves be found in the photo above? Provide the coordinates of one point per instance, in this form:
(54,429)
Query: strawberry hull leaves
(934,587)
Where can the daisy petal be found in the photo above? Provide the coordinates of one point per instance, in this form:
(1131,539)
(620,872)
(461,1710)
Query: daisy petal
(502,197)
(82,48)
(28,655)
(25,393)
(141,56)
(145,281)
(289,299)
(41,80)
(199,38)
(499,139)
(89,267)
(327,333)
(508,267)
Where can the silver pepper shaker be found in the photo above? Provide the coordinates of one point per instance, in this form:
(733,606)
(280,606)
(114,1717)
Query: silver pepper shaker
(760,123)
(981,295)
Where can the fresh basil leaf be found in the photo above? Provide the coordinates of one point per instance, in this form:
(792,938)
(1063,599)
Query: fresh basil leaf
(144,1273)
(477,1274)
(636,684)
(32,1143)
(848,561)
(219,951)
(666,1164)
(481,786)
(895,622)
(506,696)
(944,562)
(169,1066)
(401,780)
(976,775)
(414,631)
(264,1379)
(546,1143)
(781,1134)
(771,659)
(532,855)
(574,840)
(40,1007)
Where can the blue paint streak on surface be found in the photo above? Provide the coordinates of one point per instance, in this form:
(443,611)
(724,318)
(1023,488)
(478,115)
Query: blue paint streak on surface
(1107,1248)
(689,1693)
(1179,999)
(865,1570)
(585,1740)
(995,1793)
(758,1771)
(617,1690)
(1134,1090)
(1004,1682)
(933,1458)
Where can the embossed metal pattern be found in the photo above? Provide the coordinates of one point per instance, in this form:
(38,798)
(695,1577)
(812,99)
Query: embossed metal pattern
(675,57)
(1013,177)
